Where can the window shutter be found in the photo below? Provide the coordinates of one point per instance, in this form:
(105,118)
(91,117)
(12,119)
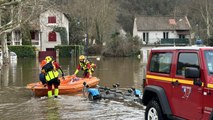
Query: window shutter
(52,36)
(51,19)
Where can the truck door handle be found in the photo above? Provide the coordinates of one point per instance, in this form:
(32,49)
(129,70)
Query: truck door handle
(175,83)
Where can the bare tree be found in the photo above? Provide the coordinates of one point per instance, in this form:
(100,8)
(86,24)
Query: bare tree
(16,12)
(204,9)
(97,16)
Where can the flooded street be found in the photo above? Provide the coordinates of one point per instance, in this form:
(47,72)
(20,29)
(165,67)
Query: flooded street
(17,102)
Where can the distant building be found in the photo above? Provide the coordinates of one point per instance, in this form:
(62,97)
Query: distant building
(41,30)
(162,30)
(48,20)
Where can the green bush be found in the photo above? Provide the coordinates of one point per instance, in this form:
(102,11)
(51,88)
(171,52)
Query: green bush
(63,34)
(94,50)
(64,50)
(122,47)
(24,50)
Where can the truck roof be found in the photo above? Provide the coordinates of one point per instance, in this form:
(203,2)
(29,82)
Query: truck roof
(182,48)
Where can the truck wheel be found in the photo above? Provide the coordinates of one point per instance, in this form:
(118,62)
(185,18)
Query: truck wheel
(153,111)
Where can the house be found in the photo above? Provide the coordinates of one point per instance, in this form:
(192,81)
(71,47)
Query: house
(41,30)
(162,30)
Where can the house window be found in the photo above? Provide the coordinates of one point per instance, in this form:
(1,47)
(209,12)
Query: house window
(51,19)
(165,35)
(9,38)
(17,35)
(146,37)
(34,35)
(52,36)
(182,36)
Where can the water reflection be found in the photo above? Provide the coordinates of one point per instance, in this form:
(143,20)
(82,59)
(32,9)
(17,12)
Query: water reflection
(52,110)
(70,108)
(126,71)
(5,75)
(16,102)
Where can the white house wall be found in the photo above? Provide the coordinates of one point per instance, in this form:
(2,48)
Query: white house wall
(46,43)
(156,36)
(61,21)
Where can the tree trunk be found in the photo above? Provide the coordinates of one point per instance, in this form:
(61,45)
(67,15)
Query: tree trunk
(98,39)
(5,53)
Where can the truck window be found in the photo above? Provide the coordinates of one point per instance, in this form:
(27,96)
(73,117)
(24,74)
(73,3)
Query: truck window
(209,60)
(186,60)
(161,62)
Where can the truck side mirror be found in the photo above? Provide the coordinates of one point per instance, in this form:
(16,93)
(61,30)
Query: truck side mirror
(192,72)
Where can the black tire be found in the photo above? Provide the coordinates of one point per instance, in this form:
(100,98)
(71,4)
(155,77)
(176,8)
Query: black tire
(90,97)
(153,111)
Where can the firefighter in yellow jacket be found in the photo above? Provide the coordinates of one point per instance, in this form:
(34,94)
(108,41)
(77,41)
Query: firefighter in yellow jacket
(51,70)
(86,66)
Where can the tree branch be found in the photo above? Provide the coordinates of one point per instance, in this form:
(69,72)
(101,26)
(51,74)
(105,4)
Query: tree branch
(10,29)
(9,3)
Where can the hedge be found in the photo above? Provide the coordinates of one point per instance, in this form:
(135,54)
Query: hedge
(64,50)
(24,50)
(67,50)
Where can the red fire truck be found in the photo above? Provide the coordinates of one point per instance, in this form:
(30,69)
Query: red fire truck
(179,83)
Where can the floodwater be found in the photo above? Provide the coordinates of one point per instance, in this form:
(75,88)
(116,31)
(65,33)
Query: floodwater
(18,103)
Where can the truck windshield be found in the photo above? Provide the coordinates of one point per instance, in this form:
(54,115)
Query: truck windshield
(209,60)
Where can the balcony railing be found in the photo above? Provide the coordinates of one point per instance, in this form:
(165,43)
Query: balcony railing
(35,42)
(175,41)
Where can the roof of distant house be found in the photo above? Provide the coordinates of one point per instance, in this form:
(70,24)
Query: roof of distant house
(162,23)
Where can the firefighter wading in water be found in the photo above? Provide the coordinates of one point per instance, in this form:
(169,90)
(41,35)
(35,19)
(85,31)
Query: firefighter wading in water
(86,66)
(51,72)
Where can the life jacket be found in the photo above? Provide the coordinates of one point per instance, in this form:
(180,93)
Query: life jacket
(48,67)
(84,65)
(93,66)
(50,71)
